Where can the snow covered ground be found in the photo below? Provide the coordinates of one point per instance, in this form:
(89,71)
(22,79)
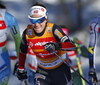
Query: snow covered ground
(20,11)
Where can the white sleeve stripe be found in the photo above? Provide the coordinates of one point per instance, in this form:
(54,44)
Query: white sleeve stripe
(64,38)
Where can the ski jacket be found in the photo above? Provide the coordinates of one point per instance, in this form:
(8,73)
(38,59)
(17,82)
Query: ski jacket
(94,31)
(8,21)
(51,33)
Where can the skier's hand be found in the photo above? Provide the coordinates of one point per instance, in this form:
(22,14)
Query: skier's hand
(15,68)
(50,47)
(92,77)
(22,74)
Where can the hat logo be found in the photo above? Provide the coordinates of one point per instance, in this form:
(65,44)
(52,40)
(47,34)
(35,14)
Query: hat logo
(42,9)
(35,11)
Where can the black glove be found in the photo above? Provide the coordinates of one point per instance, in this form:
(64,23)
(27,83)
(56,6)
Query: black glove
(92,77)
(15,68)
(22,74)
(50,47)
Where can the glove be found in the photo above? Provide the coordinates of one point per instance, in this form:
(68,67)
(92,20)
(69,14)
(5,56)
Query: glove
(22,74)
(50,47)
(92,77)
(15,68)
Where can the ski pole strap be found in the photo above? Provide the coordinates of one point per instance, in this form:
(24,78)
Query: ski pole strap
(92,81)
(92,77)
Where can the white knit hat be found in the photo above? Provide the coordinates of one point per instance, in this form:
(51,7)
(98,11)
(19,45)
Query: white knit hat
(38,10)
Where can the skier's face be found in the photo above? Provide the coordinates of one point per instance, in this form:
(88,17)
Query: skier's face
(38,23)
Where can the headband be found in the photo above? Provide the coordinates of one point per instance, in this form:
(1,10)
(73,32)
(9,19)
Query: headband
(38,10)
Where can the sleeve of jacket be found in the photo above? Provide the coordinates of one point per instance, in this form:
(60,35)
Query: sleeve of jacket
(65,40)
(23,51)
(14,30)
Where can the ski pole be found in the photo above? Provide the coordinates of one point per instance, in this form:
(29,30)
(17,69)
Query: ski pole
(71,68)
(78,61)
(80,69)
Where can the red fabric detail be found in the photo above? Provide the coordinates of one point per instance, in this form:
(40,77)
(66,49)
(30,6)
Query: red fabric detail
(99,29)
(13,57)
(38,43)
(22,58)
(91,28)
(76,66)
(21,68)
(71,53)
(2,25)
(79,41)
(45,54)
(2,43)
(34,68)
(68,45)
(30,51)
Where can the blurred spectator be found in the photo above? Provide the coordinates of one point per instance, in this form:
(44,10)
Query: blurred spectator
(7,21)
(94,32)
